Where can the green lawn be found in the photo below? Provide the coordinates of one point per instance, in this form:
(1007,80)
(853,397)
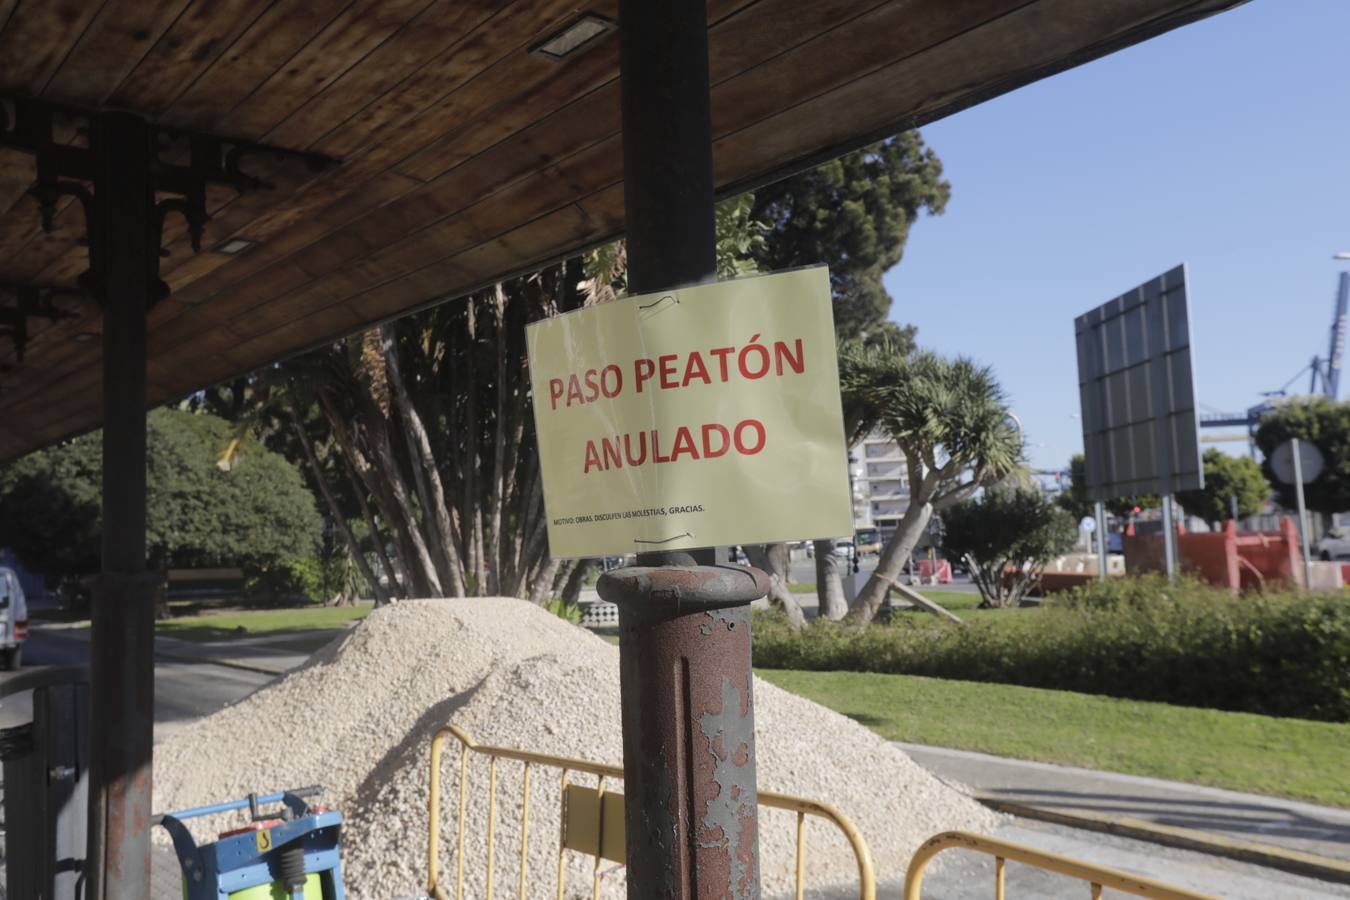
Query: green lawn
(1281,757)
(223,626)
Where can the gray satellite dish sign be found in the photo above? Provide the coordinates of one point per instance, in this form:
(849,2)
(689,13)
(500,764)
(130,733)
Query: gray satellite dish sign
(1310,461)
(1136,391)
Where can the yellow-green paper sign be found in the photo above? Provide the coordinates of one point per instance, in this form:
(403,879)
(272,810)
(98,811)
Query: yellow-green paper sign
(707,416)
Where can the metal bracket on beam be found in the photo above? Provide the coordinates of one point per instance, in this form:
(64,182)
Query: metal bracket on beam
(66,169)
(31,302)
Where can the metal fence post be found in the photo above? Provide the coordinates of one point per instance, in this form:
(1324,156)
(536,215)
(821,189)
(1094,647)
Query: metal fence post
(1103,551)
(46,787)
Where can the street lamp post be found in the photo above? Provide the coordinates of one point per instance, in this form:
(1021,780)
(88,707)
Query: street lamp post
(852,497)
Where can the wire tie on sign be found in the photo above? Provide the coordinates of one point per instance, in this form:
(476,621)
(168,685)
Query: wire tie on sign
(665,541)
(660,301)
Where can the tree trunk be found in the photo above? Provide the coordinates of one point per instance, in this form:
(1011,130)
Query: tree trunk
(493,551)
(353,546)
(430,491)
(472,521)
(772,559)
(560,575)
(396,586)
(539,591)
(391,477)
(572,590)
(829,588)
(385,484)
(892,562)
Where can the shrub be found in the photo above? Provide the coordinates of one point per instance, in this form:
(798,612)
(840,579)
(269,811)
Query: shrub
(1143,639)
(569,612)
(1008,535)
(286,581)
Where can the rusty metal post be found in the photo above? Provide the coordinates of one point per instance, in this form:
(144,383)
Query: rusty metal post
(688,729)
(684,624)
(125,233)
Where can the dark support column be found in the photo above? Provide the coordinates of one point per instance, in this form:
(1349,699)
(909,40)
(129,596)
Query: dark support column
(667,144)
(684,624)
(125,233)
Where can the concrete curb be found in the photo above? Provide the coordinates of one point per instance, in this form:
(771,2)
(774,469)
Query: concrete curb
(227,663)
(1294,861)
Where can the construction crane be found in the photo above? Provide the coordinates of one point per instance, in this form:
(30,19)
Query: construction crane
(1325,379)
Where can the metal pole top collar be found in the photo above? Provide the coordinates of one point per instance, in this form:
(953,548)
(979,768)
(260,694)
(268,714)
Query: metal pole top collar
(682,589)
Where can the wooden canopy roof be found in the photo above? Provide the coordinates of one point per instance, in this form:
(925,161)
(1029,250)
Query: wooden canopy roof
(465,157)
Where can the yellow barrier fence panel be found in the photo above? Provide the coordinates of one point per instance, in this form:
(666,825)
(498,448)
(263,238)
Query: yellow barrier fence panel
(591,819)
(1097,877)
(593,823)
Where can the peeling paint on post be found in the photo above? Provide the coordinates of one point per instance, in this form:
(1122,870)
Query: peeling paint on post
(688,729)
(729,822)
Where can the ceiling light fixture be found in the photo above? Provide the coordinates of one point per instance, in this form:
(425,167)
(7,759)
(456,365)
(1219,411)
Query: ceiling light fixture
(577,36)
(235,246)
(84,337)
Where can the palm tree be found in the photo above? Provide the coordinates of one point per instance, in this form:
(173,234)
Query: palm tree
(875,361)
(949,417)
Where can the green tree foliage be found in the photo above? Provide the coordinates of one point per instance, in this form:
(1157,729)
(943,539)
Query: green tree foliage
(1227,477)
(950,419)
(1015,530)
(854,215)
(421,430)
(1074,498)
(740,242)
(1325,424)
(198,513)
(49,508)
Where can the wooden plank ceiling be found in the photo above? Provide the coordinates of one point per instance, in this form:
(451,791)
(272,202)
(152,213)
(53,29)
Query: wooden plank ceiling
(465,157)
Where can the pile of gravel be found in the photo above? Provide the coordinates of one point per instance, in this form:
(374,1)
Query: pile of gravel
(359,718)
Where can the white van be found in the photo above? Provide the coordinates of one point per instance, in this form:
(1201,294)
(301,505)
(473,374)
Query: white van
(13,620)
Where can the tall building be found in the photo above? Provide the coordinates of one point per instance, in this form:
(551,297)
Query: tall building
(880,483)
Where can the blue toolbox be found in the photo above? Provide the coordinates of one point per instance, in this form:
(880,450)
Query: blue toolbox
(291,854)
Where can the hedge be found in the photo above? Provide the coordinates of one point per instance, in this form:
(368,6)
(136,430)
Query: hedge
(1143,639)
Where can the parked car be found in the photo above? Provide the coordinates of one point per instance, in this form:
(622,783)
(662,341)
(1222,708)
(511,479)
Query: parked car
(13,620)
(868,541)
(1335,544)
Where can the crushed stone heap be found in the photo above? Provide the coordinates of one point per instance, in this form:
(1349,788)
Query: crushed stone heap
(359,718)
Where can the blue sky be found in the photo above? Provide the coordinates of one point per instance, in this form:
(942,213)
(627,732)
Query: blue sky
(1224,145)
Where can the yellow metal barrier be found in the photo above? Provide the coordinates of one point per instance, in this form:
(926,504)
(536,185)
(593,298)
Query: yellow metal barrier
(592,818)
(1098,877)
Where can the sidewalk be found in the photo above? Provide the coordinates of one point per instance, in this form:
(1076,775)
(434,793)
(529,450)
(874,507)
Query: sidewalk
(1254,828)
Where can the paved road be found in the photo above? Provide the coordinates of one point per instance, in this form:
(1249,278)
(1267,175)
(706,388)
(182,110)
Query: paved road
(971,877)
(183,690)
(1297,826)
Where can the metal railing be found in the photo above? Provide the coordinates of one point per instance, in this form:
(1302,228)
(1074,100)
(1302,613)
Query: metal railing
(599,830)
(1098,877)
